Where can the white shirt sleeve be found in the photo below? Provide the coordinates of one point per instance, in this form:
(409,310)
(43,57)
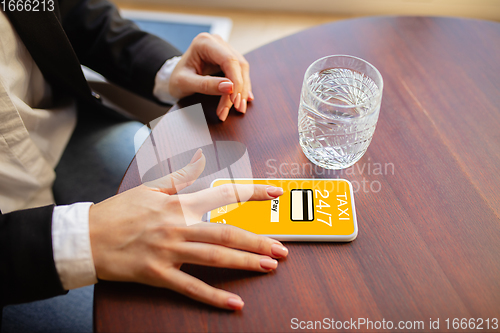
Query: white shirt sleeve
(162,81)
(71,245)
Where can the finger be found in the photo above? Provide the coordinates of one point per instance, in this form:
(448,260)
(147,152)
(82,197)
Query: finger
(222,55)
(196,289)
(247,85)
(221,256)
(236,238)
(247,89)
(182,178)
(223,107)
(205,84)
(211,198)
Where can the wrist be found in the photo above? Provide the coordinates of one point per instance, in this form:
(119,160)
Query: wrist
(161,88)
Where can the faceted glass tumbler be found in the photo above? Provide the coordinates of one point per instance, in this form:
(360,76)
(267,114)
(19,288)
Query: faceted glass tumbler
(338,111)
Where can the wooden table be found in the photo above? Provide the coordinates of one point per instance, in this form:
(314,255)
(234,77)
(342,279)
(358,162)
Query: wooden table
(428,199)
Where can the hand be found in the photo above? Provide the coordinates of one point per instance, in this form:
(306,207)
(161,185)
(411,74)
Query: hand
(209,54)
(145,234)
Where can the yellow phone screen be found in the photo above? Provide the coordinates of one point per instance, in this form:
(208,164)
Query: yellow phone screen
(309,209)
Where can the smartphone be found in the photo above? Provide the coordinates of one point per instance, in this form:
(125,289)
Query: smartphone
(319,210)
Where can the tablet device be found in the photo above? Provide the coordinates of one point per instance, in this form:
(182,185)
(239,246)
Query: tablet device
(179,29)
(309,210)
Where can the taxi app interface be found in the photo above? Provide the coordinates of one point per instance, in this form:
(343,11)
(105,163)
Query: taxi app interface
(307,207)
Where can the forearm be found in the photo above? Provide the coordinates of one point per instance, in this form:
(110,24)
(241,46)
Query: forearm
(113,46)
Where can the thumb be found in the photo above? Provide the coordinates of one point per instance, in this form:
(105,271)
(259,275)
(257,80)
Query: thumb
(181,178)
(208,85)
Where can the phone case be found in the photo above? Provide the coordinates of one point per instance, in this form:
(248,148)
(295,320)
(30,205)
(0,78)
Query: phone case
(319,210)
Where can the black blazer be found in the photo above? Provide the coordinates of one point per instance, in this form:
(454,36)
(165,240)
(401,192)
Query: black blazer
(88,32)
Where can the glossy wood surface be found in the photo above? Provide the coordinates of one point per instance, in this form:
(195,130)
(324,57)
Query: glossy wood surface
(429,226)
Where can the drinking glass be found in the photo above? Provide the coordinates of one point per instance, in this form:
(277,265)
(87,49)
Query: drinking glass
(338,111)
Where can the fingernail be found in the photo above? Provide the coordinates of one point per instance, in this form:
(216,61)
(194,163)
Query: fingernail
(224,113)
(243,106)
(268,264)
(274,191)
(226,87)
(237,101)
(196,156)
(250,96)
(235,303)
(279,251)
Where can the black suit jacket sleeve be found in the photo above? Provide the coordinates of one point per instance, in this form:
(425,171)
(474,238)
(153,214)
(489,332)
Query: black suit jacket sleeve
(113,46)
(27,268)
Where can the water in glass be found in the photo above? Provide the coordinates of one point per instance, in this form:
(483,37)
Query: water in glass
(337,116)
